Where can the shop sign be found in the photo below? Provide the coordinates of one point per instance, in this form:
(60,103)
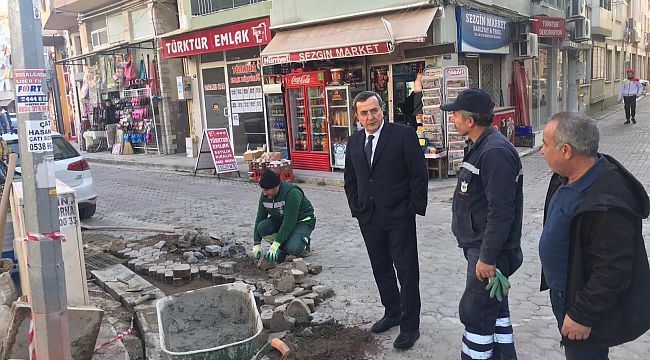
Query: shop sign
(216,142)
(237,36)
(331,53)
(30,95)
(549,27)
(482,33)
(245,81)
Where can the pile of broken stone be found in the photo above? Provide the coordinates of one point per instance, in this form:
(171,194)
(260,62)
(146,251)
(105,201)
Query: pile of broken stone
(287,297)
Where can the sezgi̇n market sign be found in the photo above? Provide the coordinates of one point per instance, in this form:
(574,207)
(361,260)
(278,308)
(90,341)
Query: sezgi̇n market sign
(479,32)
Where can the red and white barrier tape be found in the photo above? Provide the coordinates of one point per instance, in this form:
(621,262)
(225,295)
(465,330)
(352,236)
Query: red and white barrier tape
(119,336)
(30,337)
(56,236)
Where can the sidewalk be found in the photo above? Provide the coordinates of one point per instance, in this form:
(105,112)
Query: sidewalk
(181,163)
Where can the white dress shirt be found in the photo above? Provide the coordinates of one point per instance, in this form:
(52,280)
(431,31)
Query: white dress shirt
(374,141)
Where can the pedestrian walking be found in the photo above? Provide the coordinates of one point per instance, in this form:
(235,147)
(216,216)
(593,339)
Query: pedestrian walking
(285,219)
(592,251)
(486,220)
(386,185)
(631,88)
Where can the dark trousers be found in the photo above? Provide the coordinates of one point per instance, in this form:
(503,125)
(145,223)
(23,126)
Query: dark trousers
(488,329)
(572,352)
(630,106)
(296,243)
(392,245)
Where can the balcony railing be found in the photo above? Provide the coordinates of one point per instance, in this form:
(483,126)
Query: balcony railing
(205,7)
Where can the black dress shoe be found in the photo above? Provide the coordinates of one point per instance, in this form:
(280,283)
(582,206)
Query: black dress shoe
(384,324)
(406,339)
(626,122)
(633,121)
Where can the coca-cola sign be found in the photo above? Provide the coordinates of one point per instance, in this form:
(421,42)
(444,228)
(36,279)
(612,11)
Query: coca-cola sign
(301,80)
(305,79)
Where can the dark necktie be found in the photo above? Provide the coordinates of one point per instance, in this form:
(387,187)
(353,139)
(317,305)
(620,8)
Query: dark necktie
(368,149)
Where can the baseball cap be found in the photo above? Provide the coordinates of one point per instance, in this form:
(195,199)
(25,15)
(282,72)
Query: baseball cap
(472,100)
(630,71)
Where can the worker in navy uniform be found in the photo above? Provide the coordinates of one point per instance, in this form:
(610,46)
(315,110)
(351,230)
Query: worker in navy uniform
(486,220)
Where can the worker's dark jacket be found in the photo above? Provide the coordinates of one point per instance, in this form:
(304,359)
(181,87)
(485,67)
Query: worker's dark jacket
(488,201)
(608,279)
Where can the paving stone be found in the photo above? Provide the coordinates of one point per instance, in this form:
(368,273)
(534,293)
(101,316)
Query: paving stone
(269,297)
(280,322)
(227,268)
(299,311)
(266,318)
(315,269)
(300,264)
(309,283)
(310,304)
(319,318)
(285,284)
(160,244)
(299,291)
(283,299)
(324,292)
(298,276)
(183,271)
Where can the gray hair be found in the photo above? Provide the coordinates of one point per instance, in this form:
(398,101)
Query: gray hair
(483,120)
(577,130)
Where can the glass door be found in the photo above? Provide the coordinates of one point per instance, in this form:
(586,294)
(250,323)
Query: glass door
(277,124)
(318,124)
(215,98)
(298,122)
(338,111)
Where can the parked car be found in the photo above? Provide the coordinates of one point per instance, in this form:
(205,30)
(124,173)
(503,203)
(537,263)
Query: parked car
(70,168)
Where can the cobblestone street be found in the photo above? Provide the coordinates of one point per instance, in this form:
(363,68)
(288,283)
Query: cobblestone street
(132,196)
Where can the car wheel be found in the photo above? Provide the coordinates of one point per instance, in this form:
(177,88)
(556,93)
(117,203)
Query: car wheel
(87,211)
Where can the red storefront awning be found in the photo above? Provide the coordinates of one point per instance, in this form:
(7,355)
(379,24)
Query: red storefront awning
(360,37)
(235,36)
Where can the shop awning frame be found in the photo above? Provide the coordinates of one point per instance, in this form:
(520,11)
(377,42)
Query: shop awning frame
(111,50)
(349,38)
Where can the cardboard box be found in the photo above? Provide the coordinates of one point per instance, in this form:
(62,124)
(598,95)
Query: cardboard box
(251,155)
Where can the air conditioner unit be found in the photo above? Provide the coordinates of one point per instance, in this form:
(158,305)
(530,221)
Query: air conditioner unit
(528,47)
(582,30)
(577,9)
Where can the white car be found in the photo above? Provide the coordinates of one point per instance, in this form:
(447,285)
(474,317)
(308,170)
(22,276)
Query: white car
(70,168)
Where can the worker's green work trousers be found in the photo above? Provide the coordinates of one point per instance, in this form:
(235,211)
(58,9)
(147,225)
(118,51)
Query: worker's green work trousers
(297,242)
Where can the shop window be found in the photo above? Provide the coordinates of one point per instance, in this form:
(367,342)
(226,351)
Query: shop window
(204,7)
(99,38)
(141,24)
(212,57)
(598,63)
(115,25)
(243,54)
(608,69)
(606,4)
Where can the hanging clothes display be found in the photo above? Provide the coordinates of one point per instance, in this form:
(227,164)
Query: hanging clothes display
(154,78)
(129,68)
(143,70)
(110,77)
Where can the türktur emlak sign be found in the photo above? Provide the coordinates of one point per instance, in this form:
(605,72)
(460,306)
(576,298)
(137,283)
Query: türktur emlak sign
(236,36)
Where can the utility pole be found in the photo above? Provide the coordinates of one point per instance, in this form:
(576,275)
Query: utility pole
(46,272)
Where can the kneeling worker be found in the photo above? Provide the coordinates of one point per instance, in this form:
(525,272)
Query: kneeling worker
(285,219)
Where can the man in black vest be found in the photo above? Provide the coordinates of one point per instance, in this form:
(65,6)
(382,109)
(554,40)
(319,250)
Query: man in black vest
(386,185)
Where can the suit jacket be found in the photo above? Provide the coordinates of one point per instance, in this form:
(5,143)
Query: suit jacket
(396,186)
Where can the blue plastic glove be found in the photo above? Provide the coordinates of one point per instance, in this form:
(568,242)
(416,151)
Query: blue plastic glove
(257,251)
(273,255)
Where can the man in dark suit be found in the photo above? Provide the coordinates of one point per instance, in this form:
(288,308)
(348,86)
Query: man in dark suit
(386,185)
